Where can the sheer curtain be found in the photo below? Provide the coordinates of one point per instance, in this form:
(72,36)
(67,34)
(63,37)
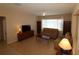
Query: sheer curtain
(53,23)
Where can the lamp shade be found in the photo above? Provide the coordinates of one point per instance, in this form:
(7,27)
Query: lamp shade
(18,28)
(65,44)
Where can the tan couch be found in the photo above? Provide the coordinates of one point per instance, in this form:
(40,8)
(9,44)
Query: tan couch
(52,33)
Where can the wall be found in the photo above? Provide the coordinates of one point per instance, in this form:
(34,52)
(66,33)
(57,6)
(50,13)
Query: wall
(75,29)
(74,33)
(67,17)
(13,17)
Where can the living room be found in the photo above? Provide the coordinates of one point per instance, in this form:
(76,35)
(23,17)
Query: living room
(18,14)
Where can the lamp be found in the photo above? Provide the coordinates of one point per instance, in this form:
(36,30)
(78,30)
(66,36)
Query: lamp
(18,28)
(65,45)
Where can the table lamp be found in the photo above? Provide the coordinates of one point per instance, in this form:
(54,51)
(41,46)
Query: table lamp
(65,46)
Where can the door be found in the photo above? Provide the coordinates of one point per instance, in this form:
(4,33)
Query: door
(38,27)
(2,29)
(77,49)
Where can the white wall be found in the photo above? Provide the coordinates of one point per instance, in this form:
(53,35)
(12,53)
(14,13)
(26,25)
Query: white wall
(74,33)
(13,17)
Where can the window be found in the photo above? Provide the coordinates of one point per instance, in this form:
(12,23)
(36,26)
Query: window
(53,23)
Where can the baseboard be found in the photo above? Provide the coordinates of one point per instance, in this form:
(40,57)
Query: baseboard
(11,41)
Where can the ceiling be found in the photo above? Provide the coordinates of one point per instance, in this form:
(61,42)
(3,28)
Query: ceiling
(38,9)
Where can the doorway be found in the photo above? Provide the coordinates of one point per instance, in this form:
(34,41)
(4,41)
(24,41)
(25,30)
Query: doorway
(3,39)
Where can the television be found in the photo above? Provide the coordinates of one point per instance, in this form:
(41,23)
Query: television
(26,28)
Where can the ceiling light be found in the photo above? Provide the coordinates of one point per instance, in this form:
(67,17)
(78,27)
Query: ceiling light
(44,14)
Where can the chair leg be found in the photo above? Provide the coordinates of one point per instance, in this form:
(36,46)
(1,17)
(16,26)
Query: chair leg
(36,37)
